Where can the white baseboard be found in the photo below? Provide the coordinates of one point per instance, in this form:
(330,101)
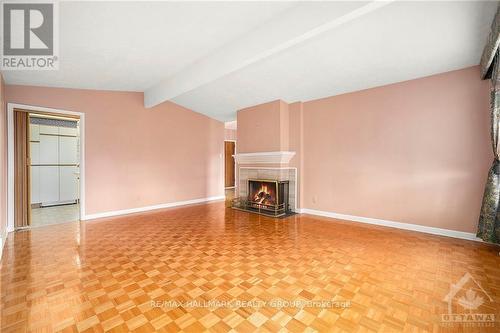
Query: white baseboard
(393,224)
(149,208)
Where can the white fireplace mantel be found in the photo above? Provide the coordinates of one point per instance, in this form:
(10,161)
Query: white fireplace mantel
(268,157)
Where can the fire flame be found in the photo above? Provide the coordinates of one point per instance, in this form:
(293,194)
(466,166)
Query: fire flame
(263,195)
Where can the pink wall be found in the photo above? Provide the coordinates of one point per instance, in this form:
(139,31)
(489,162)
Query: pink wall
(230,134)
(284,126)
(3,160)
(295,143)
(136,157)
(263,128)
(415,152)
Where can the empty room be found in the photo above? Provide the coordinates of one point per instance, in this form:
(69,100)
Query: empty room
(250,166)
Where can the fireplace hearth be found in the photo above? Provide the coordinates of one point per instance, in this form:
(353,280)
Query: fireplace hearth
(266,197)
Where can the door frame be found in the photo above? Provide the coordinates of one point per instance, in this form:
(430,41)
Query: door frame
(230,187)
(10,155)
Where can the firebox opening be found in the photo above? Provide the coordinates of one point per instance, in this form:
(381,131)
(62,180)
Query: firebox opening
(263,192)
(266,197)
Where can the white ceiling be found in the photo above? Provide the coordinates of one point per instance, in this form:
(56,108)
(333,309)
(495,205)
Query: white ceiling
(133,45)
(218,57)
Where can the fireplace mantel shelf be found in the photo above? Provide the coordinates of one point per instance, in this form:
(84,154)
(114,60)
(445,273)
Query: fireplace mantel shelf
(268,157)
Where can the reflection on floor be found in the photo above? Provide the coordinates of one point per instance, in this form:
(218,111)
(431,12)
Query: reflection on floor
(55,214)
(230,194)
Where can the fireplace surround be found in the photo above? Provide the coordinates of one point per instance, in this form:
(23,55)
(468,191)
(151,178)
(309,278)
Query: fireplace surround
(268,191)
(266,183)
(266,197)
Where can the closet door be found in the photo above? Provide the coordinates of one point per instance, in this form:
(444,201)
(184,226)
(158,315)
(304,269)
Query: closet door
(68,185)
(70,131)
(49,149)
(34,132)
(35,184)
(67,150)
(47,129)
(35,159)
(49,184)
(35,152)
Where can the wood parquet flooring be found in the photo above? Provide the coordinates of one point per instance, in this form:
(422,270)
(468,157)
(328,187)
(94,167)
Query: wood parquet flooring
(123,274)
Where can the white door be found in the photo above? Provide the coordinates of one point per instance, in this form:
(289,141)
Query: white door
(35,184)
(68,185)
(68,131)
(49,149)
(67,150)
(46,129)
(35,152)
(34,132)
(49,184)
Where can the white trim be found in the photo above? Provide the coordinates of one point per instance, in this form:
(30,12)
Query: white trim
(393,224)
(2,244)
(274,157)
(297,210)
(149,208)
(10,156)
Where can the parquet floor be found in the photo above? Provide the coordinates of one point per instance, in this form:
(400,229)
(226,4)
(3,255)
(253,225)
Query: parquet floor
(192,269)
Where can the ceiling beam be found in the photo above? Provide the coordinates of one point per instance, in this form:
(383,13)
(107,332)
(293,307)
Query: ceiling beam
(295,26)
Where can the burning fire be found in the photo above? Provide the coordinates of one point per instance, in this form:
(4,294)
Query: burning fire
(263,195)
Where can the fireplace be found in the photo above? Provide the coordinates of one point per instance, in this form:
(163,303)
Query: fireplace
(267,197)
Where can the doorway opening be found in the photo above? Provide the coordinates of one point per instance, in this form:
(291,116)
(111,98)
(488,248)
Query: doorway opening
(45,153)
(55,169)
(229,168)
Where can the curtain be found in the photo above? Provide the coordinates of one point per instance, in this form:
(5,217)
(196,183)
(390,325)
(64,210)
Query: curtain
(489,219)
(491,47)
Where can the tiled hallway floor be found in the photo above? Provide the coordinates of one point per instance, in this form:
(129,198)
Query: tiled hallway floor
(211,268)
(54,215)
